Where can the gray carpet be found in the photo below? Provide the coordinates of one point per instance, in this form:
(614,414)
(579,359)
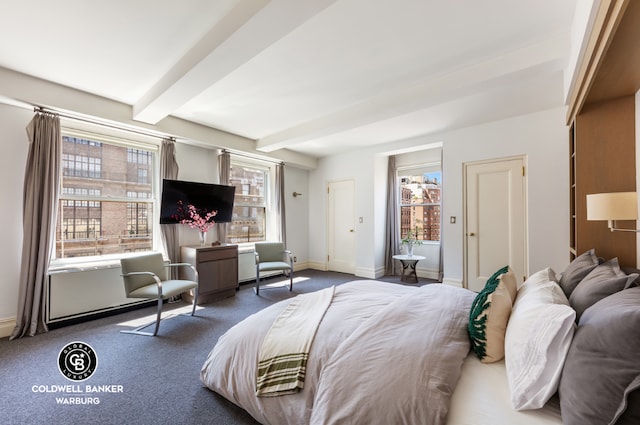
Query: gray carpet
(159,375)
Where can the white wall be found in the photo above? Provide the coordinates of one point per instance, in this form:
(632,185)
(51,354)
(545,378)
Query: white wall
(583,19)
(297,214)
(379,221)
(15,145)
(368,169)
(361,167)
(541,136)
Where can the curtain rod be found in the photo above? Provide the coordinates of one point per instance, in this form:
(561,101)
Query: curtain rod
(98,122)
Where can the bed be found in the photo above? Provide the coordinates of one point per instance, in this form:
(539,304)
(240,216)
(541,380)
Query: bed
(386,353)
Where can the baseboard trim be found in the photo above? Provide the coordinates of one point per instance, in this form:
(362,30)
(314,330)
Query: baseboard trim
(453,282)
(303,265)
(317,266)
(427,273)
(368,273)
(7,326)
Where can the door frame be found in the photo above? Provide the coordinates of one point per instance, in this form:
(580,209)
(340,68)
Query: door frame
(465,230)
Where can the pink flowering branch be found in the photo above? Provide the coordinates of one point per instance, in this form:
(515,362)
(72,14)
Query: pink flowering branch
(195,218)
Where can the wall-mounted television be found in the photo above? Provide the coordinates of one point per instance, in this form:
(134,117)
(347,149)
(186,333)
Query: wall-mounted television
(204,196)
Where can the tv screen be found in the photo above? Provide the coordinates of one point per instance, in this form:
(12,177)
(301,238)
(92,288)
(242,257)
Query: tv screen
(204,196)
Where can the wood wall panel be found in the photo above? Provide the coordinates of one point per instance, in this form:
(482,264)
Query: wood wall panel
(605,162)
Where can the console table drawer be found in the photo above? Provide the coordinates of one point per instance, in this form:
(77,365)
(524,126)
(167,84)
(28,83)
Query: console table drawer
(217,254)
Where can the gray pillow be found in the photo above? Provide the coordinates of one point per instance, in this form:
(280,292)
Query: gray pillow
(602,365)
(604,280)
(577,270)
(631,415)
(629,270)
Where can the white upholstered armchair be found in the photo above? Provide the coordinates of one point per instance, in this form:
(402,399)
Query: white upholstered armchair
(271,256)
(147,276)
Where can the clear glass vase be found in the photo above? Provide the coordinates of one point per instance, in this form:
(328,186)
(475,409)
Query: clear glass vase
(203,238)
(410,249)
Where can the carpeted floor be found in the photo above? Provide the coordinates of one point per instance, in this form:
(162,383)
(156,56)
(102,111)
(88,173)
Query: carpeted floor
(138,379)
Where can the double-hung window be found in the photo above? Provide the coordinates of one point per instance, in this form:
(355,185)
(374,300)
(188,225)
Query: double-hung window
(420,192)
(107,196)
(249,222)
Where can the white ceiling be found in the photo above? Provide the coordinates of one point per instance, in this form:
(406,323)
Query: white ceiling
(313,76)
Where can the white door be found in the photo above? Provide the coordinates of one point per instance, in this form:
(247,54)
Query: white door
(495,225)
(341,237)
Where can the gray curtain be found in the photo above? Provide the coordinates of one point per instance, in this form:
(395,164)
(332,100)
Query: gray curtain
(169,170)
(224,171)
(393,233)
(280,208)
(40,199)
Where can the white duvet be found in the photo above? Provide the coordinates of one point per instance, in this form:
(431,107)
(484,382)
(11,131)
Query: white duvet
(383,354)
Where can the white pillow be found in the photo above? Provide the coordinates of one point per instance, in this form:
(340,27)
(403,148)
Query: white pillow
(537,341)
(539,277)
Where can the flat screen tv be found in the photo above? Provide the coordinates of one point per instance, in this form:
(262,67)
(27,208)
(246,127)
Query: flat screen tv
(203,196)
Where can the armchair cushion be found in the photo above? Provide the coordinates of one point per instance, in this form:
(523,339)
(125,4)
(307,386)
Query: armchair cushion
(273,265)
(145,276)
(170,288)
(271,256)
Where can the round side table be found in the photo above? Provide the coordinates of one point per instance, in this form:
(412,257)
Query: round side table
(409,267)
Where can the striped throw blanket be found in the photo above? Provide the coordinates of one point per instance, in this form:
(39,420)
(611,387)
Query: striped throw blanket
(283,356)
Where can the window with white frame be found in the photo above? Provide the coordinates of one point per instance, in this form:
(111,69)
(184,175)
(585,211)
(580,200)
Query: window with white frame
(249,222)
(107,198)
(420,191)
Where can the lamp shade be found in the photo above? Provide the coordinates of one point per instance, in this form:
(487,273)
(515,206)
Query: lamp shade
(612,206)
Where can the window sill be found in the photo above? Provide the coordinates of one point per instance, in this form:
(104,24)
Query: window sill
(246,247)
(81,267)
(81,264)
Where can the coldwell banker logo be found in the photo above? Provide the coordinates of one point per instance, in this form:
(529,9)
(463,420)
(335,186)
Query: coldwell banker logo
(77,361)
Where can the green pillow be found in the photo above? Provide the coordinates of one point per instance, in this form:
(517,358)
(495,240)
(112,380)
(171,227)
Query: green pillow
(490,313)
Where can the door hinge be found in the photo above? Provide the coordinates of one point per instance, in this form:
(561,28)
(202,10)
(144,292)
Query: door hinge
(327,258)
(327,190)
(523,172)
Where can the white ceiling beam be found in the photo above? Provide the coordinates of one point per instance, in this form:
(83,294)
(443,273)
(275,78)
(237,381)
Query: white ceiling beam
(544,56)
(248,29)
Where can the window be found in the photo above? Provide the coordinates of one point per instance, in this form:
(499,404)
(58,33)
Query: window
(420,191)
(249,222)
(82,218)
(138,214)
(107,199)
(82,158)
